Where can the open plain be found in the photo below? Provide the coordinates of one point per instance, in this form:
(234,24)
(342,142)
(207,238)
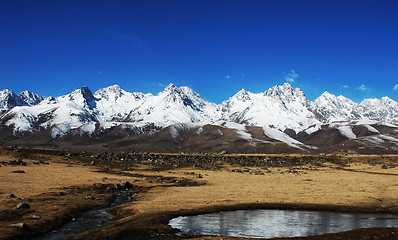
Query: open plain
(58,186)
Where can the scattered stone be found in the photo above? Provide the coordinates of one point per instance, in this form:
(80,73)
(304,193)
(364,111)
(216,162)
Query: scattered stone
(23,199)
(18,171)
(19,225)
(384,166)
(89,197)
(98,186)
(123,185)
(11,196)
(22,206)
(34,217)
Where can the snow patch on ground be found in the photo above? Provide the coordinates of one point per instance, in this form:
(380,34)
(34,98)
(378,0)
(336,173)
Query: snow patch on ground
(88,128)
(347,132)
(344,128)
(174,132)
(240,130)
(371,129)
(199,131)
(219,132)
(312,129)
(283,137)
(389,138)
(374,140)
(59,130)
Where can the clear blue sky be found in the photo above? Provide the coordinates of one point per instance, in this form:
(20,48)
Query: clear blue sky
(215,47)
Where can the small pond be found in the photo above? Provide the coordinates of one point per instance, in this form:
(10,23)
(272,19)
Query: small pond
(262,223)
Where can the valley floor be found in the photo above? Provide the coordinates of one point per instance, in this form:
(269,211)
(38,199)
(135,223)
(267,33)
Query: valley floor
(58,186)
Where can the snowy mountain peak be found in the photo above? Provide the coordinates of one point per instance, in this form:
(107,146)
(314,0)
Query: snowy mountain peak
(84,92)
(30,98)
(329,108)
(279,109)
(287,94)
(81,96)
(111,92)
(242,95)
(8,99)
(327,94)
(387,100)
(170,88)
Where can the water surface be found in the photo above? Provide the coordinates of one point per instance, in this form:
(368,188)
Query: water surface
(88,220)
(262,223)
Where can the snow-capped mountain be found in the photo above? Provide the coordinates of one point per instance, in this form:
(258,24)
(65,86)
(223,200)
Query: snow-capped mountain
(30,98)
(174,105)
(280,107)
(329,108)
(114,104)
(282,114)
(383,110)
(8,99)
(60,114)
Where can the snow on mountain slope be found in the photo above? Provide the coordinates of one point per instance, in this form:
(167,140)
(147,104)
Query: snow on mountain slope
(30,98)
(283,112)
(8,99)
(329,108)
(382,110)
(174,105)
(283,137)
(344,128)
(280,107)
(111,107)
(114,104)
(63,113)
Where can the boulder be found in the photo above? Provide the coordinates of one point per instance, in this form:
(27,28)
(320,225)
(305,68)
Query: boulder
(22,206)
(123,185)
(19,225)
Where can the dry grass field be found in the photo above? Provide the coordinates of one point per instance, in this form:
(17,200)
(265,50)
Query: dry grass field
(162,193)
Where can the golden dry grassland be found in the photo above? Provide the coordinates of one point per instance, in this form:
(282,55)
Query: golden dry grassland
(356,187)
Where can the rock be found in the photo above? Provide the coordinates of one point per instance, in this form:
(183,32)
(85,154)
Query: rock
(11,196)
(89,197)
(98,186)
(22,206)
(18,171)
(34,217)
(19,225)
(23,199)
(123,185)
(61,193)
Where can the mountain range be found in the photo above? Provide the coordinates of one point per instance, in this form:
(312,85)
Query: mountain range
(279,120)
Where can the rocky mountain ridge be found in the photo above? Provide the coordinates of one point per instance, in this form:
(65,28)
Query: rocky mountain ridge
(283,113)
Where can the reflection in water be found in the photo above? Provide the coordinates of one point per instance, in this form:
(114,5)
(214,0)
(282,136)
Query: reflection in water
(279,223)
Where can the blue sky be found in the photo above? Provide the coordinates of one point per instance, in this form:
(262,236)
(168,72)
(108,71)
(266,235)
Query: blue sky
(215,47)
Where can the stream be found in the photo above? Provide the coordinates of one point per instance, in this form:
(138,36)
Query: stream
(88,220)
